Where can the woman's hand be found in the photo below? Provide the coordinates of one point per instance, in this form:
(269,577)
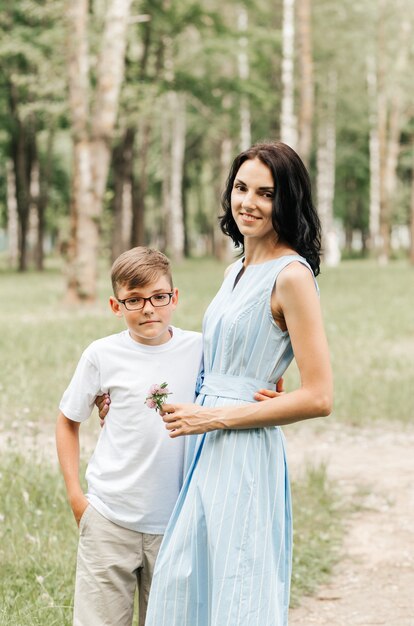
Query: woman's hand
(103,403)
(188,419)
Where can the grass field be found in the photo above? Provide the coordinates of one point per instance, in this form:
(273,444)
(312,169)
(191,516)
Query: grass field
(370,324)
(368,313)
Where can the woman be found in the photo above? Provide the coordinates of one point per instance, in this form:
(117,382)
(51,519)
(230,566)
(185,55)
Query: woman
(226,557)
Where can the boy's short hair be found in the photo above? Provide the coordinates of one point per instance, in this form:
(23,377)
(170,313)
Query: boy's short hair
(138,267)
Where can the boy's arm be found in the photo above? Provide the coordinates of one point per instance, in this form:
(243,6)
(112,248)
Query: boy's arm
(67,443)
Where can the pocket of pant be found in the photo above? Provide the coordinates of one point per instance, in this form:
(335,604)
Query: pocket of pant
(83,519)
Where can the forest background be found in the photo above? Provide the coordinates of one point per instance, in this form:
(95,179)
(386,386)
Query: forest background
(118,123)
(119,120)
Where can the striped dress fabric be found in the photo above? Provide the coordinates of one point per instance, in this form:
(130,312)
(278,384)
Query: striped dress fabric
(226,555)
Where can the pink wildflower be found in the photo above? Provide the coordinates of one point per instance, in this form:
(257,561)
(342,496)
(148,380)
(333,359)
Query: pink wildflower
(157,395)
(154,389)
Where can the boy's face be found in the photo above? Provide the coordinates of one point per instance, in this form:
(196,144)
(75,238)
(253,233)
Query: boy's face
(150,324)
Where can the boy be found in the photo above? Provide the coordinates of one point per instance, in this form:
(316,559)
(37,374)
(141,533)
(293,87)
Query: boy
(135,473)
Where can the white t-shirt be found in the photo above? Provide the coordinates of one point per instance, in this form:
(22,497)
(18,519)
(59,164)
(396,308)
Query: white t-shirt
(136,471)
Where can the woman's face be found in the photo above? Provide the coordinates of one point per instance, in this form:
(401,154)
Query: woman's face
(252,198)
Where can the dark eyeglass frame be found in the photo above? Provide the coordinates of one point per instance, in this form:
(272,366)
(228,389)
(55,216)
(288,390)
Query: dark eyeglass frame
(156,306)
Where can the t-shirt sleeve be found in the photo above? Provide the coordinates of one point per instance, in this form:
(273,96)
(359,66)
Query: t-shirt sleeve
(78,400)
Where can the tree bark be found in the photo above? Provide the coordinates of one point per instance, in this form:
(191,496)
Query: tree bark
(306,87)
(33,221)
(140,187)
(122,163)
(92,148)
(23,160)
(173,147)
(288,125)
(243,65)
(325,181)
(374,159)
(12,217)
(81,184)
(175,223)
(389,128)
(221,243)
(45,174)
(412,207)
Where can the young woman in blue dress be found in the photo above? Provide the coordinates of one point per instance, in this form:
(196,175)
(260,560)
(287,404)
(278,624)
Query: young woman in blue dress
(226,556)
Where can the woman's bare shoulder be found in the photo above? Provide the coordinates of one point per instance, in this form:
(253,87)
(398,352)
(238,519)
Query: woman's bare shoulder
(295,271)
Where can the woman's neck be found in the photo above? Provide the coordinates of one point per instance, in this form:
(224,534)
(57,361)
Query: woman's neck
(256,254)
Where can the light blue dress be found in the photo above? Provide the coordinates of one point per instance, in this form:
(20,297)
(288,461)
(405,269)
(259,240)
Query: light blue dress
(226,556)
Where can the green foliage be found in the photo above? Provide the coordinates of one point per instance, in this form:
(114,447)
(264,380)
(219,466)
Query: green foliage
(32,87)
(205,42)
(318,530)
(37,544)
(352,180)
(31,58)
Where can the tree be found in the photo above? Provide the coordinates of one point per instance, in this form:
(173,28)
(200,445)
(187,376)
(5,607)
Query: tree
(306,86)
(92,132)
(390,112)
(243,67)
(288,125)
(412,206)
(326,160)
(30,81)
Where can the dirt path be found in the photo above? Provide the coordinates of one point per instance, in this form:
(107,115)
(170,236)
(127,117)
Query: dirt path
(374,581)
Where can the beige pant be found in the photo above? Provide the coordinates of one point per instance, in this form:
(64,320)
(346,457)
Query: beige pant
(112,562)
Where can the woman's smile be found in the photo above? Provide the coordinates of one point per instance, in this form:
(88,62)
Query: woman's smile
(249,217)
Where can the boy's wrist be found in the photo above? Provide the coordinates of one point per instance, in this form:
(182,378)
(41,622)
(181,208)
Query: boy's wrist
(75,496)
(78,503)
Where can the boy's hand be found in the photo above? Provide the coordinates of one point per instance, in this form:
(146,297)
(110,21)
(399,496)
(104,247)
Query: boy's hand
(268,394)
(79,503)
(103,403)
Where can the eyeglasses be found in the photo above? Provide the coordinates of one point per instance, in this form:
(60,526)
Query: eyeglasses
(157,300)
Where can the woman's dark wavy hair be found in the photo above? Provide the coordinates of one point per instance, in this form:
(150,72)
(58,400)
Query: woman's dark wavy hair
(294,217)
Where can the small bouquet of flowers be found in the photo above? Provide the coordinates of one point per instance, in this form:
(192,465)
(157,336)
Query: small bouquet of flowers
(157,395)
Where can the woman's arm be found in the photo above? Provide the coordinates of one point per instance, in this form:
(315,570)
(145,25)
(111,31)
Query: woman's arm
(299,306)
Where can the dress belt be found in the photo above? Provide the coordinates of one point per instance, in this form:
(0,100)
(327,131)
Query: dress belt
(236,387)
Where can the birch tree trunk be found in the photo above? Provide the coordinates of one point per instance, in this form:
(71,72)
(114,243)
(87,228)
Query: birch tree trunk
(122,173)
(243,65)
(166,173)
(140,187)
(81,184)
(45,174)
(173,146)
(33,221)
(288,125)
(325,181)
(221,244)
(175,222)
(389,127)
(374,159)
(12,218)
(412,207)
(91,147)
(306,88)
